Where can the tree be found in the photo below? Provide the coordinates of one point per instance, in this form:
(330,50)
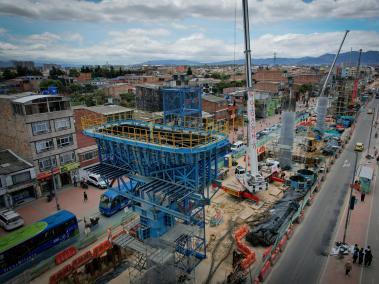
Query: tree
(73,73)
(49,82)
(304,88)
(9,74)
(55,72)
(128,99)
(189,71)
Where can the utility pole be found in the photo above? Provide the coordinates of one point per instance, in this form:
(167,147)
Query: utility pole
(369,140)
(54,185)
(350,195)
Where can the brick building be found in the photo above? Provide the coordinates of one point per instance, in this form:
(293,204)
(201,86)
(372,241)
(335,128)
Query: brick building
(87,153)
(216,106)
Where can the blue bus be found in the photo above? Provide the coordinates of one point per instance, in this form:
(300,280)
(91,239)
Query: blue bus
(29,245)
(111,202)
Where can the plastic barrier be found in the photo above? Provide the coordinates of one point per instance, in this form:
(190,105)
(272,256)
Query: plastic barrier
(266,252)
(249,255)
(289,233)
(265,271)
(60,274)
(275,256)
(122,232)
(101,248)
(81,260)
(65,254)
(283,242)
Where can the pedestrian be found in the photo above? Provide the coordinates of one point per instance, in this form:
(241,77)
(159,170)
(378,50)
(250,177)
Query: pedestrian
(85,197)
(355,253)
(368,256)
(363,195)
(360,256)
(110,234)
(348,267)
(75,182)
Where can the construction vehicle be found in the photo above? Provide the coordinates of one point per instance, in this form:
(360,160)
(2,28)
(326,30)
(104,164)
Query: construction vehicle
(356,81)
(251,180)
(322,103)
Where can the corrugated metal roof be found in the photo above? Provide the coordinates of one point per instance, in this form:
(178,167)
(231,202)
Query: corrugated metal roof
(34,97)
(11,163)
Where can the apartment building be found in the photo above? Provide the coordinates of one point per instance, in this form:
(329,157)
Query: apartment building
(17,179)
(216,106)
(40,128)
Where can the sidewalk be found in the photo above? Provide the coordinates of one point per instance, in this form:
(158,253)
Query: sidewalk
(357,233)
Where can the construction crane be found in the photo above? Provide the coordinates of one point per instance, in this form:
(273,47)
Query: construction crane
(251,179)
(323,100)
(356,81)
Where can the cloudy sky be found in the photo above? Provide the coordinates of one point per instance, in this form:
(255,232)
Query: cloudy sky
(134,31)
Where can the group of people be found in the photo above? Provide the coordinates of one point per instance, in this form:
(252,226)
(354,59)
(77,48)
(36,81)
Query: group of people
(361,256)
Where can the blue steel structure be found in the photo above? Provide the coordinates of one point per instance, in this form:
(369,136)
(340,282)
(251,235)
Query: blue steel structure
(172,168)
(180,104)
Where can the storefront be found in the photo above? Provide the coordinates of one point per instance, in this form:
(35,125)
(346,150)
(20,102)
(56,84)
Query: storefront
(63,176)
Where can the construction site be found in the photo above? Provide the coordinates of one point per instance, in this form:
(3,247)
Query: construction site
(201,209)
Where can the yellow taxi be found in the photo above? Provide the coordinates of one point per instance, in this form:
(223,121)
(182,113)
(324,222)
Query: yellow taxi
(359,147)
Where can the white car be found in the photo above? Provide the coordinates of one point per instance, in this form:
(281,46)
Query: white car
(10,220)
(97,181)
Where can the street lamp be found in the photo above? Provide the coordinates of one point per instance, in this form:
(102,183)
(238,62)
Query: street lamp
(369,140)
(54,185)
(350,196)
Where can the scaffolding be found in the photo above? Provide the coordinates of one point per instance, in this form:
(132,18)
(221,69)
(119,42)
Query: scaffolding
(171,168)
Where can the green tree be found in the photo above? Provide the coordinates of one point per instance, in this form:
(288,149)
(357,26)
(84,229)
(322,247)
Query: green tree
(128,100)
(49,82)
(73,73)
(55,72)
(189,71)
(9,74)
(304,88)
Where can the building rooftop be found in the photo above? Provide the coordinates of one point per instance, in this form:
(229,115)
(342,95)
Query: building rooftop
(213,99)
(27,97)
(11,163)
(105,109)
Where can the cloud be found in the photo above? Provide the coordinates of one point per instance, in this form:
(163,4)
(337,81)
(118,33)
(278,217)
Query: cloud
(139,45)
(45,37)
(155,11)
(4,46)
(74,37)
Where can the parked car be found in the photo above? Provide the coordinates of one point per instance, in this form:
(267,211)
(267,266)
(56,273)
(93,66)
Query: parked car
(238,146)
(359,147)
(10,220)
(97,181)
(239,170)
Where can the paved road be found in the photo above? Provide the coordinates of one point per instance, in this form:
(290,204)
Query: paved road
(303,261)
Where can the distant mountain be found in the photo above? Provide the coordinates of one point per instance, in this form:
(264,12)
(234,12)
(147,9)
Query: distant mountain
(367,58)
(171,62)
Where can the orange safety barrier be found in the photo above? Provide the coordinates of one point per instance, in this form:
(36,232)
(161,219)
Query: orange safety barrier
(266,252)
(249,255)
(265,271)
(101,248)
(289,233)
(82,259)
(122,232)
(65,254)
(59,275)
(282,243)
(275,256)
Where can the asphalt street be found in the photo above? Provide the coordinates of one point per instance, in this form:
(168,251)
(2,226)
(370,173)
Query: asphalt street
(303,260)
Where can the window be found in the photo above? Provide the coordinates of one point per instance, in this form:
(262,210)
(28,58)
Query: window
(62,124)
(18,109)
(21,177)
(44,145)
(45,163)
(40,127)
(58,106)
(66,158)
(88,156)
(65,141)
